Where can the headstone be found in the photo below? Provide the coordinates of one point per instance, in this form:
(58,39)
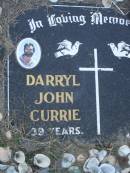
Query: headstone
(70,73)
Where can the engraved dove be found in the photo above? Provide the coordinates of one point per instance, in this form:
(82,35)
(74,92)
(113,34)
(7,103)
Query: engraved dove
(121,50)
(67,48)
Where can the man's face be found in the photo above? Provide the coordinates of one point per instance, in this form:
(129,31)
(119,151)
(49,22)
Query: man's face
(26,59)
(29,51)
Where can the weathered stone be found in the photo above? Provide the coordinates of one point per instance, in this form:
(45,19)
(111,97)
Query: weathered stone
(101,155)
(19,157)
(41,161)
(119,0)
(11,169)
(1,116)
(8,135)
(91,164)
(23,168)
(5,154)
(107,3)
(46,170)
(3,167)
(110,159)
(107,168)
(81,158)
(93,152)
(123,151)
(74,169)
(1,30)
(53,1)
(126,170)
(0,11)
(68,160)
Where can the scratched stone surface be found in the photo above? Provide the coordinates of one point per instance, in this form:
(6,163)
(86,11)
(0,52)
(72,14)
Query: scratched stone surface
(70,72)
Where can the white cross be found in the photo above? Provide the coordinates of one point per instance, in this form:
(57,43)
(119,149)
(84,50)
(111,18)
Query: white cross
(96,70)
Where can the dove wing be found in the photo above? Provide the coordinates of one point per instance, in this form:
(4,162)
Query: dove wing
(65,44)
(123,46)
(60,47)
(126,46)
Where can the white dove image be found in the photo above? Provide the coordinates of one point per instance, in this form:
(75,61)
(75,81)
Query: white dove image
(66,48)
(121,50)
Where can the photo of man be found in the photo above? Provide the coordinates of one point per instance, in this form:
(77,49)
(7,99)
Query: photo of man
(29,50)
(28,53)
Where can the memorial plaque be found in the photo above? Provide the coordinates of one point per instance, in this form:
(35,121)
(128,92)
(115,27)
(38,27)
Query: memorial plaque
(70,72)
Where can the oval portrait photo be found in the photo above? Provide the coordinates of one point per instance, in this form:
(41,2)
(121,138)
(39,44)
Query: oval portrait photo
(28,53)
